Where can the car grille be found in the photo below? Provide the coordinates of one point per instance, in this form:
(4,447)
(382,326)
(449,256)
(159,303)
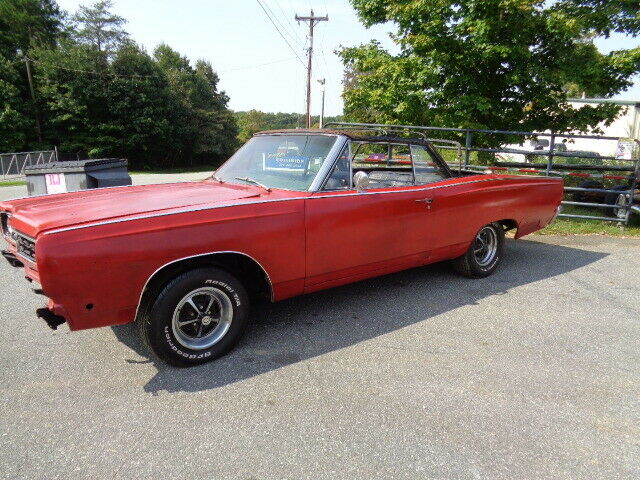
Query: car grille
(25,246)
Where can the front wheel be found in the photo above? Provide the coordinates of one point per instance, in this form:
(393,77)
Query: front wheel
(197,317)
(484,254)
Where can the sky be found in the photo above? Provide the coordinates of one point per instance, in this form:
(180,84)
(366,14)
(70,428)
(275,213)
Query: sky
(257,69)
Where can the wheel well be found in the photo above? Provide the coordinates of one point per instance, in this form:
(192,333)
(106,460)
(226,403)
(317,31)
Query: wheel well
(508,224)
(250,273)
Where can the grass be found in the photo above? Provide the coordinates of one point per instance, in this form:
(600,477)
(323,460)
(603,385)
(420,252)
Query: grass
(12,183)
(579,226)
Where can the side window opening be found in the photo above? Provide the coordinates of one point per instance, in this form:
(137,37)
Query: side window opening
(386,164)
(426,169)
(340,177)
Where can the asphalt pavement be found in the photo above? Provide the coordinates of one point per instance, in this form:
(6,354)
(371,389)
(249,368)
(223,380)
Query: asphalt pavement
(531,373)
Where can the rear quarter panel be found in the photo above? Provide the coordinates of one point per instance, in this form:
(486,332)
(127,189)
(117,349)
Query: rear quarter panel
(461,210)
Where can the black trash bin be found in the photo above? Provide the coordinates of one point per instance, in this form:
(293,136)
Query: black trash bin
(60,177)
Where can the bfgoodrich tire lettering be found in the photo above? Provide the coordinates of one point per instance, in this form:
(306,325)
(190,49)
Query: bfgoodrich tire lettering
(197,317)
(484,253)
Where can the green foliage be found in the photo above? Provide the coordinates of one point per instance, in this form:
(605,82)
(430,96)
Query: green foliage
(12,121)
(97,26)
(490,64)
(26,22)
(101,95)
(253,121)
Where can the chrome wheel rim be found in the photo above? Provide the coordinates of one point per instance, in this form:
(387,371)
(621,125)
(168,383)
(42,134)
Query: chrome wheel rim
(621,203)
(485,246)
(202,318)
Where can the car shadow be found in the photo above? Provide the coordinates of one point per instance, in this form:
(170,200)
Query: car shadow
(304,327)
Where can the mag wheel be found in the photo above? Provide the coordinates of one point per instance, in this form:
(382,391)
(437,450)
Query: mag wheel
(484,253)
(202,318)
(197,317)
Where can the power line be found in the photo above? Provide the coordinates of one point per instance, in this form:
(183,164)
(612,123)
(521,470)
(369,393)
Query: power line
(256,66)
(279,32)
(295,39)
(286,17)
(324,58)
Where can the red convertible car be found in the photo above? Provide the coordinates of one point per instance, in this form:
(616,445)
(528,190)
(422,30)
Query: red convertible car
(291,212)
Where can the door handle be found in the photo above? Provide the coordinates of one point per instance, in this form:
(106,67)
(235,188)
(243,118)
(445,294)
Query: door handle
(428,201)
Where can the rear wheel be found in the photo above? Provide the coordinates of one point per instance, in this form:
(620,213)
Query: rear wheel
(197,317)
(484,254)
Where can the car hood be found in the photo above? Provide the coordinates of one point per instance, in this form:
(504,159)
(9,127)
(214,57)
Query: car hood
(35,215)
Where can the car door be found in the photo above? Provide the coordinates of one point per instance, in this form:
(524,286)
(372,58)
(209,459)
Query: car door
(352,235)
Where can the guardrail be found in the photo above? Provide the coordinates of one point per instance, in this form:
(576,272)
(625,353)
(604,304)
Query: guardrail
(13,164)
(623,208)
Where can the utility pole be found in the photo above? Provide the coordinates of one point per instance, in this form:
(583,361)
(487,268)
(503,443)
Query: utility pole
(33,95)
(321,82)
(313,21)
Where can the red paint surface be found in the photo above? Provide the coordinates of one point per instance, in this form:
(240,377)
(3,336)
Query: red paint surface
(120,236)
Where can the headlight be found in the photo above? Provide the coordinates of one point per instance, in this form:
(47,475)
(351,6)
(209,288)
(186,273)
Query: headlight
(6,224)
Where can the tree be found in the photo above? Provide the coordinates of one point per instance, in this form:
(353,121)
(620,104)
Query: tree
(249,123)
(13,123)
(205,128)
(497,64)
(97,26)
(253,121)
(24,23)
(101,95)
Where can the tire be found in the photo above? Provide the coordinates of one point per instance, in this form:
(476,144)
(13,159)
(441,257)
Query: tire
(484,253)
(614,198)
(588,197)
(197,317)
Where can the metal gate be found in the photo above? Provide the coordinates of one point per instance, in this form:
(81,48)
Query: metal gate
(13,164)
(620,169)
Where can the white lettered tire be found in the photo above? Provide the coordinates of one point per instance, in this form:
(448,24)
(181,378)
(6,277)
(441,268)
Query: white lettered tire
(197,317)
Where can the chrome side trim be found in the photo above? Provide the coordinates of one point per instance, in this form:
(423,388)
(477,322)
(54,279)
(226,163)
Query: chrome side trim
(312,197)
(165,214)
(424,189)
(266,274)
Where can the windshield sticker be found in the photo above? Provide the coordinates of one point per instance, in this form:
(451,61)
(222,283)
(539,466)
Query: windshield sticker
(291,163)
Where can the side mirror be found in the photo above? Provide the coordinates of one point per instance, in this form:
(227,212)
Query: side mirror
(361,181)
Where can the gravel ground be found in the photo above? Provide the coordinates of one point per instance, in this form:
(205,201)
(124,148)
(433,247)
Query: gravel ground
(531,373)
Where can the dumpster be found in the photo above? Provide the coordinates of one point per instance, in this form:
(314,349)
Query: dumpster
(60,177)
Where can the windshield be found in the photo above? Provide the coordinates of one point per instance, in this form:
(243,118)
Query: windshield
(289,162)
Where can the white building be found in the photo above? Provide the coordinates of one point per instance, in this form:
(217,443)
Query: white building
(626,126)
